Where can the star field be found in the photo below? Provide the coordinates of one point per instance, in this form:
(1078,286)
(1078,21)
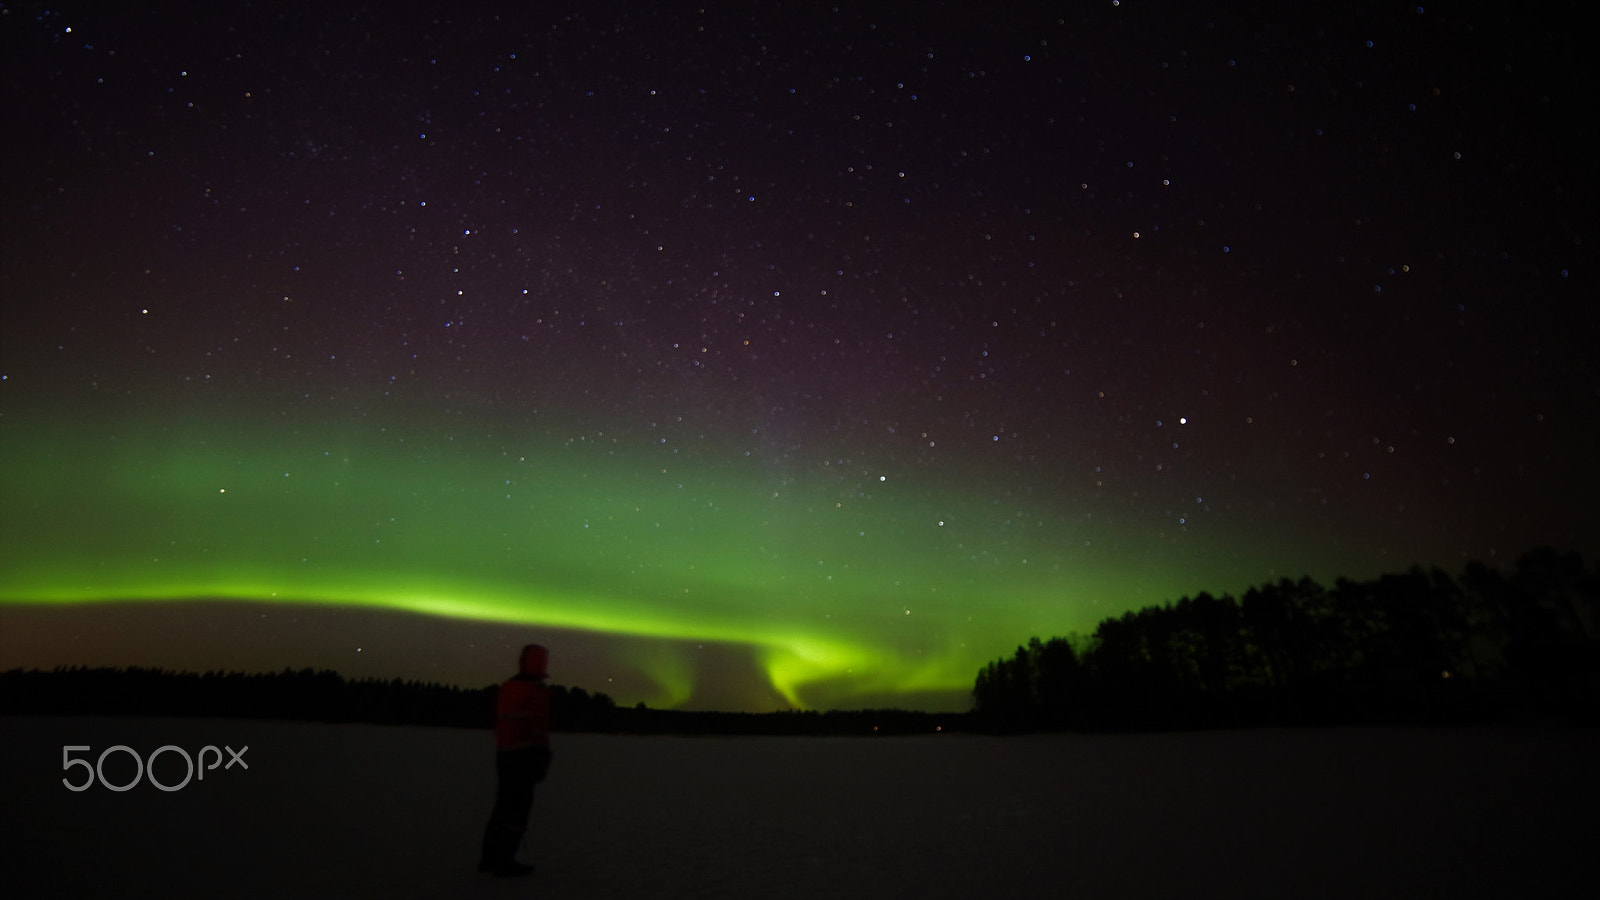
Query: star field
(862,342)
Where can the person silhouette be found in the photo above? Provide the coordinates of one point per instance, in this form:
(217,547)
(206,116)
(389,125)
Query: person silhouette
(522,757)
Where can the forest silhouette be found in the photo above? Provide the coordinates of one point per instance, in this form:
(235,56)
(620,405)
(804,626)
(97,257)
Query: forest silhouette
(325,696)
(1417,647)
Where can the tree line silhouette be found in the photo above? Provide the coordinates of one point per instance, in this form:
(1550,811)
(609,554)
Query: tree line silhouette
(325,696)
(1419,646)
(305,695)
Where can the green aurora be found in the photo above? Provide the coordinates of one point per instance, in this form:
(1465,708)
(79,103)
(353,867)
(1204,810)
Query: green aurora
(844,579)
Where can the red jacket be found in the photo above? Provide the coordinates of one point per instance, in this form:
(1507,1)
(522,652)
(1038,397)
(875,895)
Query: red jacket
(522,714)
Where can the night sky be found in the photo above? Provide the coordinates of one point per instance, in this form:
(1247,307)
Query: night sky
(768,354)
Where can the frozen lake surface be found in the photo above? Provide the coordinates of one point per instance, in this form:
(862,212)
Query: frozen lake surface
(374,811)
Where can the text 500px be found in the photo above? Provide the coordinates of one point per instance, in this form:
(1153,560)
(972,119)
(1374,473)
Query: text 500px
(145,768)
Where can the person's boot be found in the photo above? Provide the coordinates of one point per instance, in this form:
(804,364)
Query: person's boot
(512,869)
(503,862)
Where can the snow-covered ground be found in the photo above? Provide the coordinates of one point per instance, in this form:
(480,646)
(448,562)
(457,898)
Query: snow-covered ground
(370,811)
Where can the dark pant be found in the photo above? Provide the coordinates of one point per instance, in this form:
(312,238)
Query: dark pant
(517,772)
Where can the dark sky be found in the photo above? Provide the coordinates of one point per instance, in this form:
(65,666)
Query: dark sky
(1152,298)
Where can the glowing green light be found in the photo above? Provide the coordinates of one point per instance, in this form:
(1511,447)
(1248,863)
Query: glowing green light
(847,582)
